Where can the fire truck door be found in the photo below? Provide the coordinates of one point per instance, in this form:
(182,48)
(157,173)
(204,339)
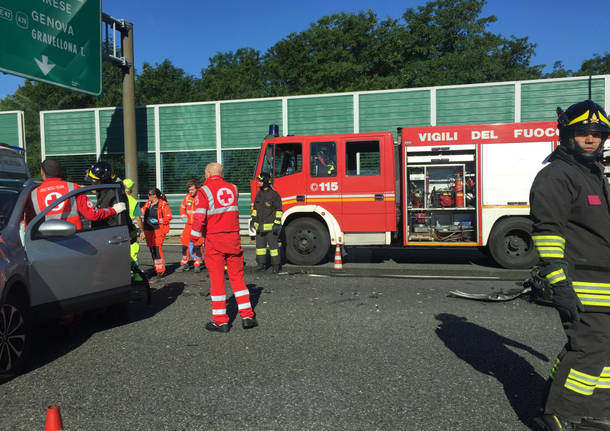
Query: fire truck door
(363,190)
(289,179)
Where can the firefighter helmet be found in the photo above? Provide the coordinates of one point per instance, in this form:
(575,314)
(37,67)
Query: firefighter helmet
(102,172)
(265,178)
(586,116)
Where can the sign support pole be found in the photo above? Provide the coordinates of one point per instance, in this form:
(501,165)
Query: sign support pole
(129,110)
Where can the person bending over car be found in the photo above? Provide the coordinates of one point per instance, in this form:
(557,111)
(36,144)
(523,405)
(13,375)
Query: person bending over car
(52,188)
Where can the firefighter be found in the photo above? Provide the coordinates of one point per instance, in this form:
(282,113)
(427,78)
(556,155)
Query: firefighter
(267,222)
(323,163)
(135,218)
(190,250)
(157,215)
(102,173)
(53,187)
(569,202)
(217,219)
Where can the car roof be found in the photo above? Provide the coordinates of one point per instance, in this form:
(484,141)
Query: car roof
(12,164)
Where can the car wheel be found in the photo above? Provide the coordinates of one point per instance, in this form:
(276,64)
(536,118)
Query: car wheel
(307,242)
(510,243)
(15,337)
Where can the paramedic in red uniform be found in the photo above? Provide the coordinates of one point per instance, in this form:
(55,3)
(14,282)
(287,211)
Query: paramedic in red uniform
(217,219)
(157,215)
(52,188)
(190,250)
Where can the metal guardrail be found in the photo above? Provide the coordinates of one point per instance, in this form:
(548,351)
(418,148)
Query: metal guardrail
(176,226)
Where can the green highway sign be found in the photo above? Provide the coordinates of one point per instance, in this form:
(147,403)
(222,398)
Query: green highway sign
(53,41)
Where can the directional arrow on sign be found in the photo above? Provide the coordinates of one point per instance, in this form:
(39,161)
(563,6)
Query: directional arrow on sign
(44,65)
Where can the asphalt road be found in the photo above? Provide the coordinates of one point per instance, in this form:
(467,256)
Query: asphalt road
(370,350)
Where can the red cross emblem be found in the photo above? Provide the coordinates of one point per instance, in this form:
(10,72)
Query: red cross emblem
(52,197)
(225,196)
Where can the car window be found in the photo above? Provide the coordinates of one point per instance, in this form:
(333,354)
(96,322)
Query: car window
(8,198)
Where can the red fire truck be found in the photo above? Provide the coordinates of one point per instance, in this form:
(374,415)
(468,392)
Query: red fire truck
(438,186)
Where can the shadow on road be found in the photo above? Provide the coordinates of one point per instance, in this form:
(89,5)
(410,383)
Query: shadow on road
(51,342)
(488,352)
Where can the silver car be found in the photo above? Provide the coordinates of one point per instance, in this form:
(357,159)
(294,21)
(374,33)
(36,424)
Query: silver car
(51,269)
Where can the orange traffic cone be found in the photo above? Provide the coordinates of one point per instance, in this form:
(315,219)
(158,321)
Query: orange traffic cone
(53,422)
(338,262)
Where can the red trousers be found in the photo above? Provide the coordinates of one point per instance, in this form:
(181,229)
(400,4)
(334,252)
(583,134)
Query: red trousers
(154,241)
(225,249)
(184,240)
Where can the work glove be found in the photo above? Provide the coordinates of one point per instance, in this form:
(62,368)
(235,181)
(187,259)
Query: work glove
(276,229)
(252,227)
(119,207)
(563,297)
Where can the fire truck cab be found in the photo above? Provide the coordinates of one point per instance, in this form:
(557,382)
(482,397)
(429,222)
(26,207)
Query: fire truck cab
(438,186)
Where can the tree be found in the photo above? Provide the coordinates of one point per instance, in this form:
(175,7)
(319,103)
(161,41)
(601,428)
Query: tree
(163,83)
(446,43)
(595,66)
(341,52)
(231,75)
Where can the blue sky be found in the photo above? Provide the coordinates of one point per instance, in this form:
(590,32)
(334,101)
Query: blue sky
(189,32)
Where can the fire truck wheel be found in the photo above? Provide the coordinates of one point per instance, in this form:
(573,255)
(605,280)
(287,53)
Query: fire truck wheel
(510,243)
(307,242)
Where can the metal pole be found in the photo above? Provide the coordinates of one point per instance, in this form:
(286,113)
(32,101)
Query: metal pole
(129,110)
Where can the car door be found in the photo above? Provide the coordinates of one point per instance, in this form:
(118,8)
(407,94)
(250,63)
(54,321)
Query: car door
(92,265)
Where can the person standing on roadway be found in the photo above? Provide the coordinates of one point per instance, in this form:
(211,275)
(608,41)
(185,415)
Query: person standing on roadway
(267,222)
(570,207)
(157,215)
(217,219)
(71,210)
(190,250)
(135,218)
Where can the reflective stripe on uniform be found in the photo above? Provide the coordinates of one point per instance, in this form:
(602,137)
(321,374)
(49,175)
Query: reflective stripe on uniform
(604,379)
(261,251)
(580,382)
(223,210)
(593,294)
(219,311)
(241,293)
(219,298)
(244,305)
(208,193)
(195,233)
(552,246)
(274,252)
(556,276)
(554,252)
(549,240)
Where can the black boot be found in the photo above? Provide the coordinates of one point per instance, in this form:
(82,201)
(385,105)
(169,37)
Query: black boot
(249,323)
(276,269)
(260,267)
(211,326)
